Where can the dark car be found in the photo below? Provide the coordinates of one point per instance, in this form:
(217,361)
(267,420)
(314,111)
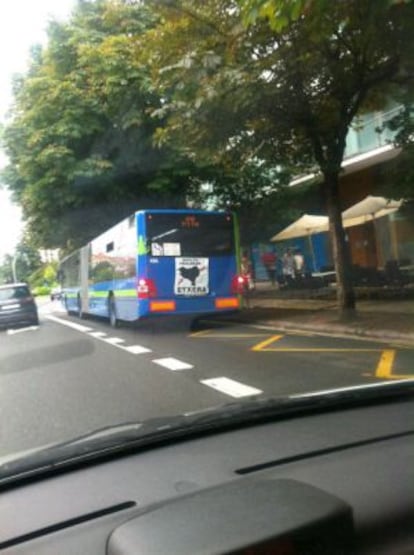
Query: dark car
(56,294)
(17,305)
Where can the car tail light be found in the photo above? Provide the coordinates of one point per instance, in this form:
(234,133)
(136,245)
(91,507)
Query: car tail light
(238,284)
(146,288)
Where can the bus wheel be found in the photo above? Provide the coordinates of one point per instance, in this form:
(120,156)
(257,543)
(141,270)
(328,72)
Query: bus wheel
(113,320)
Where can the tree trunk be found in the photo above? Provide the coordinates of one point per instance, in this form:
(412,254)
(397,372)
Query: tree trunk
(341,255)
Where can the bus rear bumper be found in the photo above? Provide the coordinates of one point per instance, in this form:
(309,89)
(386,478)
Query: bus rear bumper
(189,306)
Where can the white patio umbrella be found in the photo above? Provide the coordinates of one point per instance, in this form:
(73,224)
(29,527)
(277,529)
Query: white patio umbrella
(369,210)
(306,226)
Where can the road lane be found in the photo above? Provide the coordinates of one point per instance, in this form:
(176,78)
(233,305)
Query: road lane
(300,362)
(58,383)
(72,376)
(312,361)
(329,352)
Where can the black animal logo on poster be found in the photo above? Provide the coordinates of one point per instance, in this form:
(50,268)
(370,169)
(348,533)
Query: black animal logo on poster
(190,273)
(192,277)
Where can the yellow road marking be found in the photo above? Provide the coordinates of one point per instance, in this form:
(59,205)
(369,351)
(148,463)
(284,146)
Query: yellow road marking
(262,345)
(385,364)
(384,368)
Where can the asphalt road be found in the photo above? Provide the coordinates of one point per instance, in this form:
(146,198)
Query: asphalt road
(68,377)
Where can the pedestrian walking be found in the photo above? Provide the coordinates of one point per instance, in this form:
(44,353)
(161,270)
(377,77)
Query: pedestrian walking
(247,276)
(299,264)
(269,260)
(288,266)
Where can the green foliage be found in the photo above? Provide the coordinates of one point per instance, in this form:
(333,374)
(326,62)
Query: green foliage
(398,175)
(279,81)
(285,94)
(41,290)
(138,104)
(44,276)
(6,274)
(278,13)
(80,137)
(27,259)
(104,271)
(281,13)
(50,273)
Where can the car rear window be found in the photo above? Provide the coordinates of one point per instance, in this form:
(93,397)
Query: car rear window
(9,293)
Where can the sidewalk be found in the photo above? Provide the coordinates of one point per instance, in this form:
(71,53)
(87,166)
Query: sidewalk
(385,320)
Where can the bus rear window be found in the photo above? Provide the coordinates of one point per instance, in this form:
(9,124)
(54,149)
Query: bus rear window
(190,234)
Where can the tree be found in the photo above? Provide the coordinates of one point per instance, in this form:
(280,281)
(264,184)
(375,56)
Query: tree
(80,138)
(284,87)
(6,272)
(258,193)
(398,175)
(27,258)
(50,273)
(25,261)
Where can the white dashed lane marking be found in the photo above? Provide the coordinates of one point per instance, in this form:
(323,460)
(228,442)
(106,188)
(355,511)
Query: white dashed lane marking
(222,384)
(114,340)
(231,387)
(72,325)
(20,330)
(173,364)
(137,349)
(102,336)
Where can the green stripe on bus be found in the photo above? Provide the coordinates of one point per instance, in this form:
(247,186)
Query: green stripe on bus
(120,293)
(142,247)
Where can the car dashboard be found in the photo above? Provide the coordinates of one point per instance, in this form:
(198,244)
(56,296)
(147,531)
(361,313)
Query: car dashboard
(335,482)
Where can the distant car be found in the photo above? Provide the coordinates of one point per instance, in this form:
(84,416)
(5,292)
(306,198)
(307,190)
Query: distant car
(56,294)
(17,305)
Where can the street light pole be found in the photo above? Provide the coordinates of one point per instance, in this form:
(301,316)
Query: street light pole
(24,257)
(13,265)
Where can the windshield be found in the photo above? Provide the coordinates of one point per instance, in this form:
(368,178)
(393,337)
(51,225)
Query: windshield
(212,205)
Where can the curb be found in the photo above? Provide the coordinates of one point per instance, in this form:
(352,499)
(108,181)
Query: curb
(384,336)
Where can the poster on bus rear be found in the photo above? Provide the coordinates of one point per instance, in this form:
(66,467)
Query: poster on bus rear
(191,276)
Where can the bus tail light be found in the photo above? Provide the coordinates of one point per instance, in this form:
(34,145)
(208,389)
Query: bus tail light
(146,288)
(162,306)
(238,284)
(227,302)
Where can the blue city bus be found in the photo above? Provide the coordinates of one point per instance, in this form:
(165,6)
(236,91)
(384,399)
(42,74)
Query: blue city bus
(156,262)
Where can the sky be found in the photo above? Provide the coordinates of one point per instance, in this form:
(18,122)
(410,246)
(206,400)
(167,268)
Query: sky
(22,24)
